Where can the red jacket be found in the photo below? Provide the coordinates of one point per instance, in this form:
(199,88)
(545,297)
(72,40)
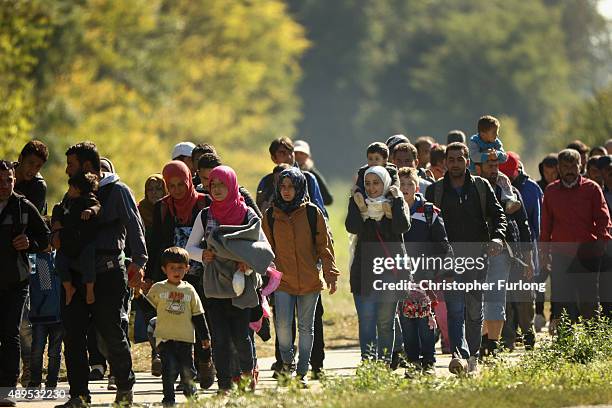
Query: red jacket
(577,214)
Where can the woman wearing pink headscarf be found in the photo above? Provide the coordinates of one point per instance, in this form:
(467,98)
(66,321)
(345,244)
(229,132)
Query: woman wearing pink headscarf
(230,324)
(173,218)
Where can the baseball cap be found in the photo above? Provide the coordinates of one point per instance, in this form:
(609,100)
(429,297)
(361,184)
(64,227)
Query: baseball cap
(301,146)
(182,149)
(395,140)
(511,166)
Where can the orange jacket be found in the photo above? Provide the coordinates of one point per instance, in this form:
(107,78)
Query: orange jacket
(296,256)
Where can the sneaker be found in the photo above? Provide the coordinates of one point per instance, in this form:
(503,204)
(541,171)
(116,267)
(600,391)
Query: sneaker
(76,402)
(429,369)
(317,373)
(457,366)
(6,402)
(156,367)
(284,376)
(539,322)
(472,366)
(112,385)
(413,369)
(124,398)
(96,373)
(276,368)
(302,381)
(206,373)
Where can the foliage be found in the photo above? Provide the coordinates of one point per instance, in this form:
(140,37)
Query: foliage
(138,76)
(425,67)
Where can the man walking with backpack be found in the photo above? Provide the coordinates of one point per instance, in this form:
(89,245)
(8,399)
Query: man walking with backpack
(22,231)
(119,221)
(476,227)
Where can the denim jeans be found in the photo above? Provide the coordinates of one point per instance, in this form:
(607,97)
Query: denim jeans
(317,355)
(230,325)
(284,307)
(12,299)
(419,340)
(177,358)
(495,300)
(465,317)
(376,327)
(40,332)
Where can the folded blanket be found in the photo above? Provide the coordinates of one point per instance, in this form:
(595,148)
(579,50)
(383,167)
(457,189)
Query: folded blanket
(233,244)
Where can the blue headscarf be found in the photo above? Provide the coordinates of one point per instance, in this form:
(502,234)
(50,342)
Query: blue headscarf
(299,183)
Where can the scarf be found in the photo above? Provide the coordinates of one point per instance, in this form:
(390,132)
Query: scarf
(182,209)
(232,210)
(375,205)
(145,207)
(299,184)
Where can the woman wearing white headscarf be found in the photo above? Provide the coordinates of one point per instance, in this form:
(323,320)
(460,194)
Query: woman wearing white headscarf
(379,235)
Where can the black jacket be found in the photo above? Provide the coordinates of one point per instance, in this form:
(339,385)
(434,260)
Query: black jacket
(35,191)
(325,193)
(368,243)
(163,237)
(463,215)
(19,217)
(76,233)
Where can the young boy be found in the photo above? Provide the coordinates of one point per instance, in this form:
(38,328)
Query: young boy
(45,315)
(76,217)
(426,236)
(179,310)
(485,145)
(377,155)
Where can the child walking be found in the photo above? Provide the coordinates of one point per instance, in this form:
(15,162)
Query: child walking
(179,311)
(76,217)
(45,316)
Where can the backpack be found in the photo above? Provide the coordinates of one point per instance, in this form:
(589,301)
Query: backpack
(311,213)
(481,187)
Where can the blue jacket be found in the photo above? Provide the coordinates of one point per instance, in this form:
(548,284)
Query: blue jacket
(478,147)
(532,199)
(45,291)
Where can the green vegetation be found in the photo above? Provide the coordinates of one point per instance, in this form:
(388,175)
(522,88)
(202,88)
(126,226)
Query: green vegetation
(572,368)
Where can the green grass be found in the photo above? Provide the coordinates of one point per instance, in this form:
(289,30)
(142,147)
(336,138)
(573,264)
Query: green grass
(572,368)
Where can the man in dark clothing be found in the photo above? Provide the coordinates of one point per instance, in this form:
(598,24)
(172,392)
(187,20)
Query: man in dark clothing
(30,184)
(519,306)
(29,181)
(475,224)
(119,221)
(604,163)
(22,231)
(548,173)
(281,151)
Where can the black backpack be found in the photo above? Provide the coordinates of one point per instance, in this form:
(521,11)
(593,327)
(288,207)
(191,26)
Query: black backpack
(311,213)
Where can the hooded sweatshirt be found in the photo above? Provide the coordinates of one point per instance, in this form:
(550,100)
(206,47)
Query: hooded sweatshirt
(119,220)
